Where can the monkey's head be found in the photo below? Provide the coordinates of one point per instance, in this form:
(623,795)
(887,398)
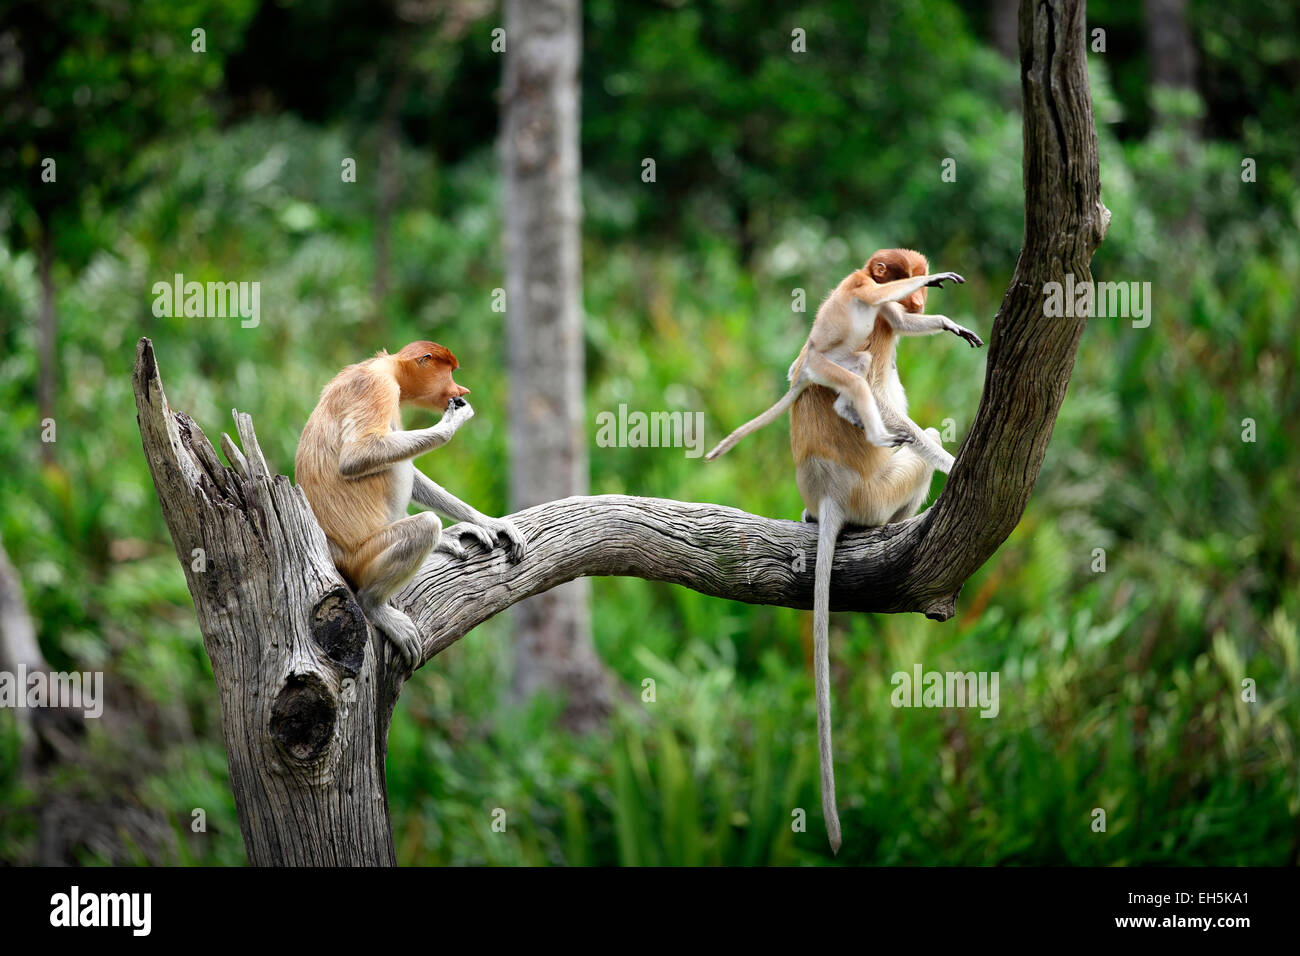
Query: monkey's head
(886,265)
(423,371)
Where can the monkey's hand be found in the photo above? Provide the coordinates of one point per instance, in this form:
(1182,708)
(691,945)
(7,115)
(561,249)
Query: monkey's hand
(965,333)
(890,439)
(452,536)
(457,414)
(504,528)
(940,278)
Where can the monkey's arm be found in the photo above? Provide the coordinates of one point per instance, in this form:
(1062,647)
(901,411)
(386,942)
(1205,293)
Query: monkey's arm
(922,444)
(484,529)
(922,323)
(372,453)
(877,293)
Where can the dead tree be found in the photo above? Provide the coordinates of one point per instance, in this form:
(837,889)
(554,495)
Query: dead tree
(307,688)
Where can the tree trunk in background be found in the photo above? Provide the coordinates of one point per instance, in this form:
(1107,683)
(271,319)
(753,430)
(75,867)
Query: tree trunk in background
(47,343)
(18,647)
(548,452)
(1169,44)
(389,184)
(1005,27)
(1173,66)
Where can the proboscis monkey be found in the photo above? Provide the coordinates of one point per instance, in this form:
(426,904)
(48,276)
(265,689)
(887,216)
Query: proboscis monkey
(845,479)
(355,464)
(839,332)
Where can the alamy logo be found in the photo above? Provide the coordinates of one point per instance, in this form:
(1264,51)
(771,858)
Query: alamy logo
(651,430)
(215,300)
(74,691)
(75,908)
(946,689)
(1116,300)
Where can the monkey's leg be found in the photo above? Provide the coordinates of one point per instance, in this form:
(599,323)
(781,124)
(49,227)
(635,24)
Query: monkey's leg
(822,371)
(843,406)
(931,449)
(896,492)
(386,561)
(921,476)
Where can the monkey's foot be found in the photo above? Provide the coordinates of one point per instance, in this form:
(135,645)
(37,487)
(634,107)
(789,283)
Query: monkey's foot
(400,631)
(894,439)
(449,544)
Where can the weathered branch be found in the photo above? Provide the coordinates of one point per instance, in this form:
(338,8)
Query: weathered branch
(919,565)
(709,548)
(306,687)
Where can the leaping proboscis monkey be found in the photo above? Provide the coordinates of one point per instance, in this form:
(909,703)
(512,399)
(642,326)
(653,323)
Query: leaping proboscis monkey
(355,464)
(845,479)
(843,323)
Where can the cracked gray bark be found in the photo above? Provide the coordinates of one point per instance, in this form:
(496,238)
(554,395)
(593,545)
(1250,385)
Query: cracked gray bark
(306,686)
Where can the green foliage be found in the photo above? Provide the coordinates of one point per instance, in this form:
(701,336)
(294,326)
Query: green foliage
(85,83)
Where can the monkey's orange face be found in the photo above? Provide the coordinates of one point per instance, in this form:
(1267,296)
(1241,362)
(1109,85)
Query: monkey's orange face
(886,265)
(426,378)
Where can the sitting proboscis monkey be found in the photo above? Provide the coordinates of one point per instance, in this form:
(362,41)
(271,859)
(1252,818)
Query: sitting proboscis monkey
(845,478)
(355,465)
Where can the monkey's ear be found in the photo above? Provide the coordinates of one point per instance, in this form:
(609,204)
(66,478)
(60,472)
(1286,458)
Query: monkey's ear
(424,359)
(880,270)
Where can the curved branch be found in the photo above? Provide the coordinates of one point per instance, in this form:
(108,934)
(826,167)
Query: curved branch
(712,549)
(918,565)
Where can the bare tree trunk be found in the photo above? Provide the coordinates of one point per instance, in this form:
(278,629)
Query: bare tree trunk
(548,450)
(307,690)
(1004,25)
(304,707)
(1169,44)
(1173,67)
(389,187)
(49,734)
(18,647)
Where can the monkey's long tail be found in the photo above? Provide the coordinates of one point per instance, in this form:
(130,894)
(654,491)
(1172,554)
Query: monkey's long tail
(754,424)
(830,519)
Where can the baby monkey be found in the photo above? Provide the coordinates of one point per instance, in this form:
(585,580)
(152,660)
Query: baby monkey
(839,333)
(355,465)
(845,479)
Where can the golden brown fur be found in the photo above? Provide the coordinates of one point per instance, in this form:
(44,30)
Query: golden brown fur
(364,401)
(356,466)
(839,332)
(843,476)
(817,431)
